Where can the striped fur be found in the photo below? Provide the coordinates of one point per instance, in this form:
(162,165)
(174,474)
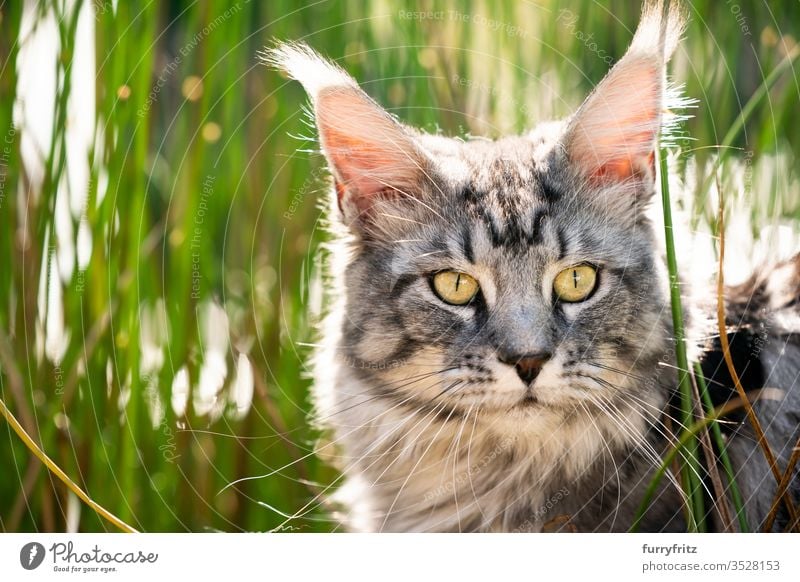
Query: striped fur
(432,431)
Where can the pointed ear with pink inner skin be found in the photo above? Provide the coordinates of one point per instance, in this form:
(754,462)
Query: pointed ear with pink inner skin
(370,154)
(613,135)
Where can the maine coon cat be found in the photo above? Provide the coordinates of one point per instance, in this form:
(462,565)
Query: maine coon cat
(499,352)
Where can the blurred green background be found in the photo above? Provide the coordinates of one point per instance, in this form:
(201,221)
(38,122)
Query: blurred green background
(160,218)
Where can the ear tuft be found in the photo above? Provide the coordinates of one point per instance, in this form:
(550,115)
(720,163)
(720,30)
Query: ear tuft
(370,154)
(302,64)
(660,29)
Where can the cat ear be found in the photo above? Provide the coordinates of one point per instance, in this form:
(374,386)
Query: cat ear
(612,137)
(369,153)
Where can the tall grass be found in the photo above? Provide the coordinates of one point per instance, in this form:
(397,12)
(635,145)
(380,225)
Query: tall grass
(690,470)
(196,190)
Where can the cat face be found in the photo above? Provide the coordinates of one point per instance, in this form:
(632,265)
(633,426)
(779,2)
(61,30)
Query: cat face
(509,276)
(512,221)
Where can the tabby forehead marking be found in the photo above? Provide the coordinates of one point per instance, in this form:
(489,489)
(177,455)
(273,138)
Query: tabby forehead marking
(441,428)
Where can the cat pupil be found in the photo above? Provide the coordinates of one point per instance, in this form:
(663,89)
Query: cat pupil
(575,277)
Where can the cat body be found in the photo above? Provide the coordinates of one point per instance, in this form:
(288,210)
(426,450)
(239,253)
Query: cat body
(525,405)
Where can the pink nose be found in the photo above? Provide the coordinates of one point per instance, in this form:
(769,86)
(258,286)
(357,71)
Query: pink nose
(527,366)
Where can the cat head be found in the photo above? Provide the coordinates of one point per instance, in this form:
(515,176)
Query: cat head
(506,275)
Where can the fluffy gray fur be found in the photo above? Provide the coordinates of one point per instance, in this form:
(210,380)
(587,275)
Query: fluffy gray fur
(432,431)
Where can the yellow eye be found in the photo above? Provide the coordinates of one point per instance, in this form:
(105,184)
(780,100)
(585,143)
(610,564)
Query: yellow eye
(455,288)
(576,283)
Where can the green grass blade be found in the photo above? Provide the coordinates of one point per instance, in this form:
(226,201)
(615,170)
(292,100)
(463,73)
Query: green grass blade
(716,433)
(690,469)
